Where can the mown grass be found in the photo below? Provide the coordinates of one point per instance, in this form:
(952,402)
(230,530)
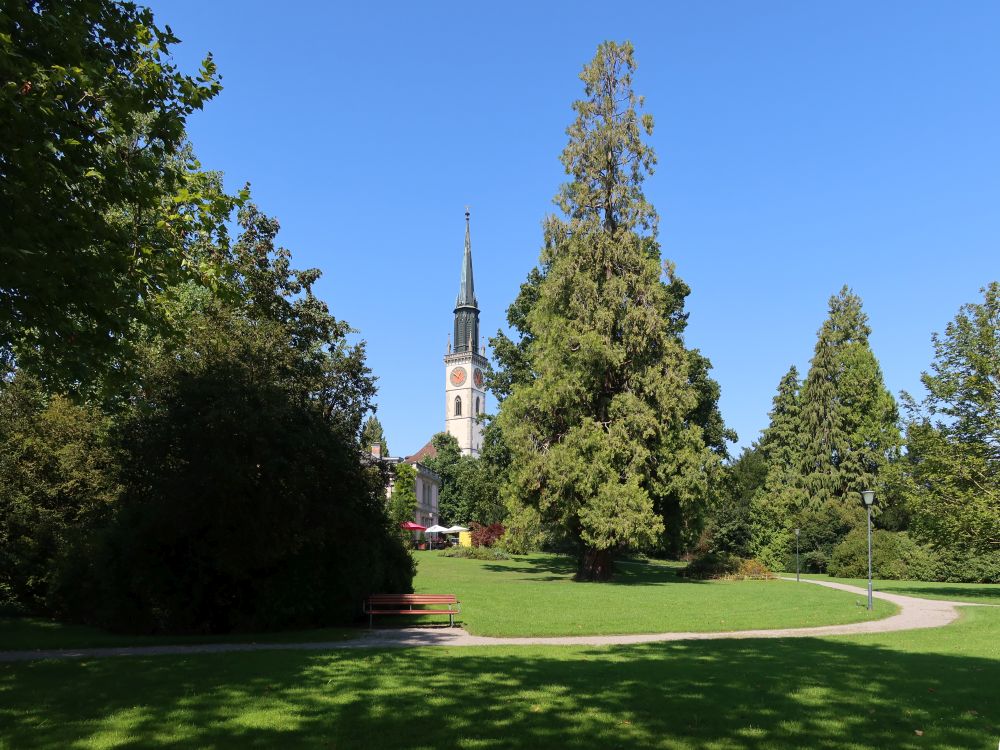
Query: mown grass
(935,688)
(536,595)
(979,593)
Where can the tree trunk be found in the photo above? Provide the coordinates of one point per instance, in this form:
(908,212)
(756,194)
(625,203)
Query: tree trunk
(596,565)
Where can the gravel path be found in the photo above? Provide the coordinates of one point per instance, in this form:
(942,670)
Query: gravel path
(914,613)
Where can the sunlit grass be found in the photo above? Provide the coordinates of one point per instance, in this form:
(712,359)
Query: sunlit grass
(536,595)
(935,688)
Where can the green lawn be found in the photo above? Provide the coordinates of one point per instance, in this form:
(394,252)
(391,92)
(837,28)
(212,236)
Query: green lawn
(979,593)
(875,691)
(535,595)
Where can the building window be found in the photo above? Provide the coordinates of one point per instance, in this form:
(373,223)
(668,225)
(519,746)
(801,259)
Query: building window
(458,406)
(477,404)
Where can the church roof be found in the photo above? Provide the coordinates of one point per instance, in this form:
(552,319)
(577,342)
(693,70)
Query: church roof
(428,451)
(467,289)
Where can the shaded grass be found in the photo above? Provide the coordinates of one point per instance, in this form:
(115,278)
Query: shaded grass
(26,633)
(536,595)
(978,593)
(874,691)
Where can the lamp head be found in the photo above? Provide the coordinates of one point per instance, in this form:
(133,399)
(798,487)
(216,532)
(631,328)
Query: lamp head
(869,497)
(797,531)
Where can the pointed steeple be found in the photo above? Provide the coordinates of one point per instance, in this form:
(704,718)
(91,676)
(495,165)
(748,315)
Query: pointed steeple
(467,289)
(466,307)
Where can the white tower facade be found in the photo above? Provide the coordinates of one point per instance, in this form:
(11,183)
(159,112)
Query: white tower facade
(465,365)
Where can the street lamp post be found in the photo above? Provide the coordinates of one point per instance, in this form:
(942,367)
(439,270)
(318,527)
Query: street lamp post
(869,497)
(797,554)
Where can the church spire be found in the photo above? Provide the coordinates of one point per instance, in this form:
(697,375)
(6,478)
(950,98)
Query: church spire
(466,307)
(467,289)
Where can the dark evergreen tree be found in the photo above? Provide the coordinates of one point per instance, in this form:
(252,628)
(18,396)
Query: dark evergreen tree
(850,422)
(778,501)
(849,431)
(599,406)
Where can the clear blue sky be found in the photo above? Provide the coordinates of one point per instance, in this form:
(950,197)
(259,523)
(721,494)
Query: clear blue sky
(802,146)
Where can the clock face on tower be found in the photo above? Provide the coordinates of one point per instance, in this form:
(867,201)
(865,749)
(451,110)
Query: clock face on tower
(458,376)
(477,377)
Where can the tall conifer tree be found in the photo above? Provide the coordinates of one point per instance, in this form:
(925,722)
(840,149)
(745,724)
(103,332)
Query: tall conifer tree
(849,420)
(600,410)
(781,496)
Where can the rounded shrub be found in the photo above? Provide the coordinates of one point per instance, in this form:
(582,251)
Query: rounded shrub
(895,556)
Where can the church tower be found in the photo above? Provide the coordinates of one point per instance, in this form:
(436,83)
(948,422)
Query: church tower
(464,394)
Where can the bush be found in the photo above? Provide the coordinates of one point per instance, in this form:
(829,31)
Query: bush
(475,553)
(57,476)
(753,570)
(813,561)
(961,566)
(243,508)
(712,565)
(895,556)
(486,536)
(728,566)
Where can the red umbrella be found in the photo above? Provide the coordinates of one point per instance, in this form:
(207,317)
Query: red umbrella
(410,526)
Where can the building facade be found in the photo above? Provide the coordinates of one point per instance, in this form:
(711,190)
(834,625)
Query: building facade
(426,485)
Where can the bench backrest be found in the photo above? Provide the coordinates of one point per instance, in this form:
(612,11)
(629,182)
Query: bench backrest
(413,599)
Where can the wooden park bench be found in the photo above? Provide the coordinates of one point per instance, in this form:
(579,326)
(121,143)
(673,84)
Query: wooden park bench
(405,604)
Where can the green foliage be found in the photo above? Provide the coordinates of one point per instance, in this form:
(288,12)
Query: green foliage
(722,565)
(372,434)
(829,439)
(849,420)
(102,206)
(599,401)
(57,476)
(235,441)
(775,503)
(469,485)
(962,566)
(895,556)
(403,501)
(953,437)
(731,524)
(243,506)
(476,553)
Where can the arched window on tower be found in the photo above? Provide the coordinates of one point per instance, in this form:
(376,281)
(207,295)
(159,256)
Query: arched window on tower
(477,404)
(458,406)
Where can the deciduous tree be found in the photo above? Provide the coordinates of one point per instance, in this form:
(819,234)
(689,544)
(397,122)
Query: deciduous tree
(953,436)
(98,198)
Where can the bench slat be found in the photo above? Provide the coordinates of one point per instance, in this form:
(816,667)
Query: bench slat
(392,604)
(411,597)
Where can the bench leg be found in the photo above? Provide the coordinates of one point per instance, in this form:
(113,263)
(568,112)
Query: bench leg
(451,621)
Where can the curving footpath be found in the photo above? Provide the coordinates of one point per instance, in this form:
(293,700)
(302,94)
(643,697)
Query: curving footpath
(913,614)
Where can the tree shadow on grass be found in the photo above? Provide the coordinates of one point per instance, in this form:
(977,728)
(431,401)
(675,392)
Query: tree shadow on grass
(627,573)
(730,694)
(986,593)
